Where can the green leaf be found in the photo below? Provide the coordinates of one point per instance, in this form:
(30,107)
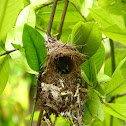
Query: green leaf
(113,6)
(123,70)
(34,46)
(97,59)
(87,36)
(9,10)
(94,105)
(102,78)
(106,19)
(117,84)
(27,15)
(115,33)
(4,72)
(115,109)
(76,2)
(18,47)
(18,57)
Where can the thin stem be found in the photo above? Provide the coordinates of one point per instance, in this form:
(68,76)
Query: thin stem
(51,18)
(62,20)
(40,29)
(80,12)
(113,69)
(36,98)
(44,5)
(40,117)
(33,110)
(112,55)
(7,52)
(117,96)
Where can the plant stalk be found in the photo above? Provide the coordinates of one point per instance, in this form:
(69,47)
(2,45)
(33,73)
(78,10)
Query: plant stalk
(62,19)
(113,68)
(51,18)
(112,55)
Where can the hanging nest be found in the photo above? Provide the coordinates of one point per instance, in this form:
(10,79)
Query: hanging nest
(63,89)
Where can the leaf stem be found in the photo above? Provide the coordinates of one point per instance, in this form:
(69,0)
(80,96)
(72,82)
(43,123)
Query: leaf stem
(51,18)
(112,55)
(62,19)
(79,12)
(113,69)
(7,52)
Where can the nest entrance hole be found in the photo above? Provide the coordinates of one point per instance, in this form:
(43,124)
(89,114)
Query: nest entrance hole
(64,65)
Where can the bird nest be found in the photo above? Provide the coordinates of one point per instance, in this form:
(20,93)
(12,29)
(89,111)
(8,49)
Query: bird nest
(63,89)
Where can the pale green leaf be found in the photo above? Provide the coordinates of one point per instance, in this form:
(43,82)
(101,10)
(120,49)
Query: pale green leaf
(4,72)
(116,109)
(123,70)
(113,6)
(18,57)
(85,7)
(37,3)
(9,10)
(106,19)
(27,16)
(94,105)
(87,37)
(117,84)
(115,33)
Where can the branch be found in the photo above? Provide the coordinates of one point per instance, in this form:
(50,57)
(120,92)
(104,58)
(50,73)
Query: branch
(40,117)
(40,29)
(51,18)
(80,12)
(7,52)
(44,5)
(62,19)
(112,55)
(117,96)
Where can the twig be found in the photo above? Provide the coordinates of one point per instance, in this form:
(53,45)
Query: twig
(40,29)
(51,18)
(62,19)
(112,55)
(44,5)
(40,117)
(7,52)
(80,12)
(117,96)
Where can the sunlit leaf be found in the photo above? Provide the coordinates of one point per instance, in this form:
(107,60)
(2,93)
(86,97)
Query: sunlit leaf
(27,15)
(106,19)
(115,33)
(117,84)
(4,72)
(94,105)
(37,3)
(87,37)
(18,47)
(34,46)
(115,109)
(18,57)
(113,6)
(123,70)
(9,10)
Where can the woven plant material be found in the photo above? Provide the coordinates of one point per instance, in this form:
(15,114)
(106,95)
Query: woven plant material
(63,89)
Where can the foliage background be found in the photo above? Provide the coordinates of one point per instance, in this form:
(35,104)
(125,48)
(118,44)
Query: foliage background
(18,80)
